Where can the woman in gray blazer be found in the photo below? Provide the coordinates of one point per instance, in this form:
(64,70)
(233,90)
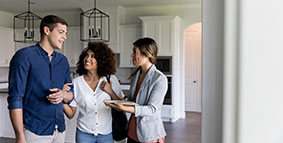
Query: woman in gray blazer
(148,89)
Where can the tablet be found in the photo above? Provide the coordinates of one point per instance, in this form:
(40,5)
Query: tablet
(124,102)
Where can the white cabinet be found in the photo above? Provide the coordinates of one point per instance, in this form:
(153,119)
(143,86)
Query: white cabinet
(128,35)
(73,45)
(71,125)
(20,45)
(163,30)
(6,128)
(7,46)
(166,112)
(115,14)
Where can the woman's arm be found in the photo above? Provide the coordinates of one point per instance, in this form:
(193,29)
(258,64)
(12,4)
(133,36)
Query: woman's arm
(69,110)
(113,88)
(119,106)
(107,87)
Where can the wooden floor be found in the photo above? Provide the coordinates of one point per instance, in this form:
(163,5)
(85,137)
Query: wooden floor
(186,130)
(183,131)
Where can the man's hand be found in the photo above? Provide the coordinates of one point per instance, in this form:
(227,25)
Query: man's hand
(56,96)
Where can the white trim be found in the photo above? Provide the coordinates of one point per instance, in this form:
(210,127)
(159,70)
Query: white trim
(231,71)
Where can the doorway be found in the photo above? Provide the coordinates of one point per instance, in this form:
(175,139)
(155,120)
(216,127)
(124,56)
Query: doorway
(193,68)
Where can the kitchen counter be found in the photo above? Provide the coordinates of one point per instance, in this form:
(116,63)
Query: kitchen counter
(4,90)
(125,86)
(4,86)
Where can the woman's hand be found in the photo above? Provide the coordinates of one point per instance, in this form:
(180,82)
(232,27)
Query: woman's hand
(67,87)
(119,106)
(107,87)
(56,96)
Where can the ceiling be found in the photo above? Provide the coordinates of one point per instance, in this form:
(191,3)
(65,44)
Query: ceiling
(18,6)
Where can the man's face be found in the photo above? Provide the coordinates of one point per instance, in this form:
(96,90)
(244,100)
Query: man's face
(57,36)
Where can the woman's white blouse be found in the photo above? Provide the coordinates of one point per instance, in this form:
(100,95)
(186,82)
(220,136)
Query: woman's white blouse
(94,116)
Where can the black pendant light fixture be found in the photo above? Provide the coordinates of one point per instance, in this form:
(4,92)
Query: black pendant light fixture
(26,26)
(94,25)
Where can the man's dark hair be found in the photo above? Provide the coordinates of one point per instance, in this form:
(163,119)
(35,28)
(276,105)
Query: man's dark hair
(51,22)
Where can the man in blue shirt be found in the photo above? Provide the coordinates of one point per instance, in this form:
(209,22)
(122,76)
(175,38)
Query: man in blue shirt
(36,78)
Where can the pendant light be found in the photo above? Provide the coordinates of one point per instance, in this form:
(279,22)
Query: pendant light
(94,25)
(26,26)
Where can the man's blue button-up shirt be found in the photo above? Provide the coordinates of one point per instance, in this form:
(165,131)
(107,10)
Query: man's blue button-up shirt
(31,76)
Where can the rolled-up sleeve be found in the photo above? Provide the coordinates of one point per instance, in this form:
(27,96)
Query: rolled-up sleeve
(18,74)
(156,98)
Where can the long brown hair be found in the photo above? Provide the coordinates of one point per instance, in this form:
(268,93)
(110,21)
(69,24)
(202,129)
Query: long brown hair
(148,48)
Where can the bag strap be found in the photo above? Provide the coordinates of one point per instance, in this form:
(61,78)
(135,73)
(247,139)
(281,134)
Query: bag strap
(108,78)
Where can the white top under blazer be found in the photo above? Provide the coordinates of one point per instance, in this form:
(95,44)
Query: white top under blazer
(94,117)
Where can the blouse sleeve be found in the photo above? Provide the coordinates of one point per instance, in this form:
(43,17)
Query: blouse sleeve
(116,86)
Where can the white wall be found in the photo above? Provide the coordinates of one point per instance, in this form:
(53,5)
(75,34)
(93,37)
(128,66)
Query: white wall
(6,19)
(212,94)
(188,13)
(253,71)
(72,17)
(261,68)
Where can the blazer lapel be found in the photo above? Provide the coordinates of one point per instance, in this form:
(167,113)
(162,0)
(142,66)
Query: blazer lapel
(134,84)
(147,79)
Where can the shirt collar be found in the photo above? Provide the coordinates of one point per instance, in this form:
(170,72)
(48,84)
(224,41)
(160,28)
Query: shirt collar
(44,52)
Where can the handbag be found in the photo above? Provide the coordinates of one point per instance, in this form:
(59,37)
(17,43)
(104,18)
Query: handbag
(119,122)
(119,125)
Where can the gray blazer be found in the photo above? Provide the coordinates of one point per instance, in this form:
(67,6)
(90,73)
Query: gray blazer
(149,99)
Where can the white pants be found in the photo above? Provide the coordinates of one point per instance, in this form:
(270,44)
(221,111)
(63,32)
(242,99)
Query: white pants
(57,137)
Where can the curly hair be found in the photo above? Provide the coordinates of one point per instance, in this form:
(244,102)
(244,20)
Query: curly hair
(106,59)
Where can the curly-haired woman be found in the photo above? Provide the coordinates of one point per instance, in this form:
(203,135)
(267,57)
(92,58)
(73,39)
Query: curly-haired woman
(94,122)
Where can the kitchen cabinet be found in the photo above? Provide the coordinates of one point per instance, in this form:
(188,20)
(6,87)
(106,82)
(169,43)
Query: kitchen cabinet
(116,16)
(128,35)
(166,112)
(163,29)
(73,46)
(71,125)
(7,46)
(6,128)
(20,45)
